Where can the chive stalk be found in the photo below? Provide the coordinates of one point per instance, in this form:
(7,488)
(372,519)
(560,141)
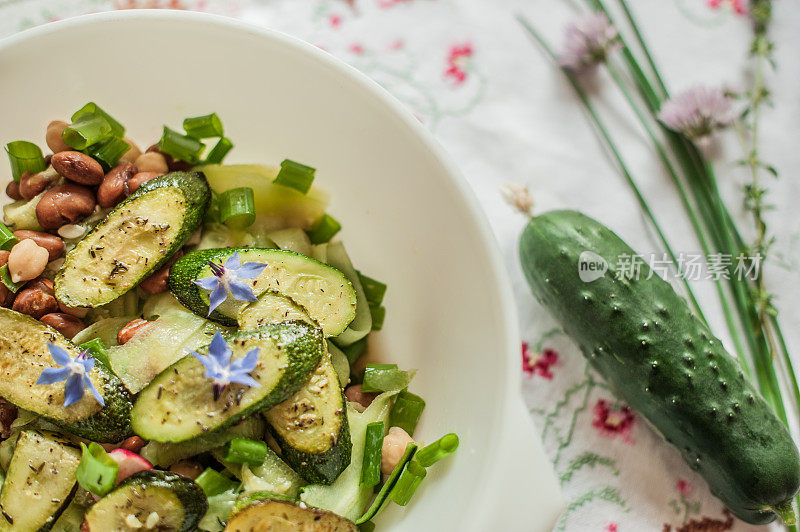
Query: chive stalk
(87,130)
(373,289)
(441,448)
(384,378)
(371,463)
(91,108)
(203,127)
(325,229)
(108,152)
(24,157)
(97,349)
(219,151)
(382,498)
(237,208)
(97,471)
(354,351)
(181,147)
(407,483)
(7,238)
(407,410)
(5,278)
(295,175)
(245,451)
(378,313)
(212,482)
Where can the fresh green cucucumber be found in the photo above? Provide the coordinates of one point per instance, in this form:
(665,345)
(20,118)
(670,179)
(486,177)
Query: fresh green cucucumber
(643,338)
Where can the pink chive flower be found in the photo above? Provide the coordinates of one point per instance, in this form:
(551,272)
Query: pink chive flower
(684,488)
(540,364)
(612,422)
(697,112)
(588,41)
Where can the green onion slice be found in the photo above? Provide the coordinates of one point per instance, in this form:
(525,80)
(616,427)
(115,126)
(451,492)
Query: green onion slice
(7,238)
(374,290)
(406,411)
(368,526)
(354,351)
(378,315)
(384,378)
(324,230)
(5,278)
(97,349)
(212,482)
(203,127)
(237,208)
(181,147)
(295,175)
(407,483)
(245,451)
(441,448)
(108,152)
(219,151)
(371,463)
(383,495)
(91,108)
(24,157)
(97,471)
(87,131)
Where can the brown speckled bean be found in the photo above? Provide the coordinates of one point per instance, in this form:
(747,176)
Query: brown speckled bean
(78,167)
(64,204)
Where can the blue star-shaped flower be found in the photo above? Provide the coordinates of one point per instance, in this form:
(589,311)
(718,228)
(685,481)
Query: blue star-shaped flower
(226,279)
(74,371)
(221,370)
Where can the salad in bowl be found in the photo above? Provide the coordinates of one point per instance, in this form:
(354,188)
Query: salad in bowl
(182,344)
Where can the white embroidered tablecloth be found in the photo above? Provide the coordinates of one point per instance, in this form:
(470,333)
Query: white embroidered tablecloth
(468,71)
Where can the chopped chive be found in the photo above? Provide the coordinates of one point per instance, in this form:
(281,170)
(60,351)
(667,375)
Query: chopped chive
(384,378)
(7,238)
(383,495)
(369,526)
(91,108)
(354,351)
(406,411)
(441,448)
(212,482)
(108,152)
(324,230)
(374,290)
(181,147)
(219,151)
(5,278)
(371,464)
(203,127)
(236,207)
(245,451)
(407,483)
(295,175)
(97,349)
(378,315)
(87,131)
(97,472)
(24,157)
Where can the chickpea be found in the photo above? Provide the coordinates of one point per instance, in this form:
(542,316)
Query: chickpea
(78,167)
(53,244)
(132,154)
(67,325)
(12,191)
(131,329)
(53,136)
(64,204)
(27,260)
(187,468)
(152,162)
(394,445)
(35,303)
(173,164)
(133,444)
(354,394)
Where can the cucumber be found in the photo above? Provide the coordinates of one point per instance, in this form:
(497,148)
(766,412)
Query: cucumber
(643,338)
(40,482)
(323,291)
(23,356)
(179,403)
(311,426)
(177,502)
(135,239)
(278,514)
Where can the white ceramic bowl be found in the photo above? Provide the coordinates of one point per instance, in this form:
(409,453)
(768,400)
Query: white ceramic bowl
(409,219)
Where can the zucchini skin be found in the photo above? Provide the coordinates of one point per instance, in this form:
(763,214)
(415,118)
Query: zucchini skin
(185,271)
(645,340)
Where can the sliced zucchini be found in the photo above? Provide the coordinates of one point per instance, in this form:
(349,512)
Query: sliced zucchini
(179,403)
(324,292)
(23,356)
(40,482)
(311,426)
(276,515)
(135,239)
(149,500)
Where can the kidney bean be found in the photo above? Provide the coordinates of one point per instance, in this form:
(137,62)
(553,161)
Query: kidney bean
(12,191)
(45,285)
(34,302)
(114,187)
(8,413)
(139,179)
(156,283)
(354,394)
(31,185)
(133,444)
(64,204)
(67,325)
(78,312)
(78,167)
(53,136)
(53,244)
(131,329)
(4,257)
(187,468)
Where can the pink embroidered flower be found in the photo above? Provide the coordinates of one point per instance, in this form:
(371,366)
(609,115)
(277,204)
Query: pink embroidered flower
(611,423)
(697,112)
(611,527)
(587,42)
(684,487)
(739,7)
(335,21)
(539,364)
(457,60)
(356,48)
(396,44)
(386,4)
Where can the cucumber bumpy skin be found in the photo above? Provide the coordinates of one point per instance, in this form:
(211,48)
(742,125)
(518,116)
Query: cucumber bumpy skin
(646,342)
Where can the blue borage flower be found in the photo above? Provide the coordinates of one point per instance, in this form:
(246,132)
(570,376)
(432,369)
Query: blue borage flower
(226,279)
(74,371)
(221,370)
